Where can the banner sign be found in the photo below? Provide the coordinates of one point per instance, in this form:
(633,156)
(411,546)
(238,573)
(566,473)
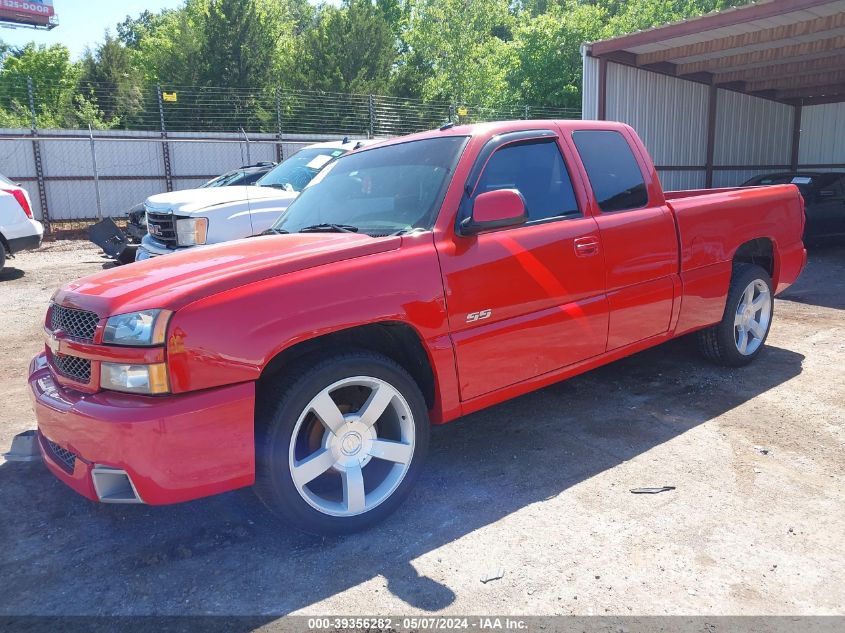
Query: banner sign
(36,12)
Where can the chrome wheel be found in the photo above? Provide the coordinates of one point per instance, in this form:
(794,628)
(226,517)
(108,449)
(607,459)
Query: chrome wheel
(352,446)
(752,318)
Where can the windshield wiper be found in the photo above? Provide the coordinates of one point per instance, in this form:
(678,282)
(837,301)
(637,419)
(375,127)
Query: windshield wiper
(277,185)
(274,231)
(329,228)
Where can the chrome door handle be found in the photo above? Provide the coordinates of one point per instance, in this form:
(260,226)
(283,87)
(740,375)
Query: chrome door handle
(586,246)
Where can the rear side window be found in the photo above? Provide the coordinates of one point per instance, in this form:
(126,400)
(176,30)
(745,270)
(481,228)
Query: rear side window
(612,169)
(537,171)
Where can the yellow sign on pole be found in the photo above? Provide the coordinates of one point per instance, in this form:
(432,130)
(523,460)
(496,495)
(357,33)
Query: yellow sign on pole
(170,97)
(463,111)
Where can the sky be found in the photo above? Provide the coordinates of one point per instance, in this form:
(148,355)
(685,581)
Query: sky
(83,22)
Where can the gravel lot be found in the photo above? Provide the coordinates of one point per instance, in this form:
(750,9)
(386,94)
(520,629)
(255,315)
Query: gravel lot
(539,486)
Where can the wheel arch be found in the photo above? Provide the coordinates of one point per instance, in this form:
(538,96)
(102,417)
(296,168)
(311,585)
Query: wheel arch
(761,251)
(396,340)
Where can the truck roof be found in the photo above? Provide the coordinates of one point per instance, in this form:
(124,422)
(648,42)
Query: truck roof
(500,127)
(349,144)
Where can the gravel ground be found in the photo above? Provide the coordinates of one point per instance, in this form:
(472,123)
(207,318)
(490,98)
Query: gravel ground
(538,487)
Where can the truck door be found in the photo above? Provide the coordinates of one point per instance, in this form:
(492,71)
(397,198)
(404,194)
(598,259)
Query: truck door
(529,299)
(638,236)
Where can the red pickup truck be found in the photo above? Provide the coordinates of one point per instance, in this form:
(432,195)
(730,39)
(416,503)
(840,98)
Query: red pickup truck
(413,282)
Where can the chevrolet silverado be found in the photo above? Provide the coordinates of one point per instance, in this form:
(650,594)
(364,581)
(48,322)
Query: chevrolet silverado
(413,282)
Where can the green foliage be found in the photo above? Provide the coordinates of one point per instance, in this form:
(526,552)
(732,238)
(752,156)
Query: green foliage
(460,48)
(547,51)
(349,49)
(230,56)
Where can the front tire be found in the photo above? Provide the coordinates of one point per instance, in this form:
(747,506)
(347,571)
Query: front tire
(340,442)
(739,337)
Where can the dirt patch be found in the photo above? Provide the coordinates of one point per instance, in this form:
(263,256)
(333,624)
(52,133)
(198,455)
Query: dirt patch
(538,487)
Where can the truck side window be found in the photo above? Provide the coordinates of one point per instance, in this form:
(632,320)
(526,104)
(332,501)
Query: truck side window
(537,170)
(613,171)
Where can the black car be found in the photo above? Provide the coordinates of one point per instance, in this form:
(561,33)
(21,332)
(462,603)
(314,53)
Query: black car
(824,199)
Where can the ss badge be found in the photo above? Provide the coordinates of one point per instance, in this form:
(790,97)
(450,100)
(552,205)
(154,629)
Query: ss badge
(479,316)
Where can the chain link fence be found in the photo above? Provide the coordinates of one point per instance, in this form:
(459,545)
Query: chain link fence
(89,150)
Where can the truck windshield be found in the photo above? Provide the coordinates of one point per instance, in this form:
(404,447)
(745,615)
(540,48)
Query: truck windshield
(379,191)
(298,170)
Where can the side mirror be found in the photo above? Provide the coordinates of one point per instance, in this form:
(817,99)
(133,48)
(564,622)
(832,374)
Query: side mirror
(495,210)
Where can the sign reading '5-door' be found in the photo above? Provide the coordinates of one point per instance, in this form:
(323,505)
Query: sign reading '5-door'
(26,11)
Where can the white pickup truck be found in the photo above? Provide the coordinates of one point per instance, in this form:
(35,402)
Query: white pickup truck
(194,217)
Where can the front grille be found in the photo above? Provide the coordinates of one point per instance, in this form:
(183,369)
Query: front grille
(65,458)
(162,226)
(73,367)
(75,323)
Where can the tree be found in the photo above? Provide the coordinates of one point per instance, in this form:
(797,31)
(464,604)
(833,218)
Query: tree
(349,49)
(55,83)
(627,17)
(547,68)
(111,79)
(458,47)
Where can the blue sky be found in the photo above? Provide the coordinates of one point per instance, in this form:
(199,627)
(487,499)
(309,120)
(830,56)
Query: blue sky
(82,22)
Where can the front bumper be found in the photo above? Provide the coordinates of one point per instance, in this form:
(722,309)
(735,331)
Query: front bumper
(172,448)
(24,236)
(153,248)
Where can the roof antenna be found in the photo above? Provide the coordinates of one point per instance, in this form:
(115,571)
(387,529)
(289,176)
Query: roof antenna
(345,140)
(448,125)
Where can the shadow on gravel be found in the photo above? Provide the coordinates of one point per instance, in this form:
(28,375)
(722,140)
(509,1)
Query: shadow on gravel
(823,281)
(10,274)
(225,555)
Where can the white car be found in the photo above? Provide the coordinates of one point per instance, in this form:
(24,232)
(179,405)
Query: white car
(18,230)
(193,217)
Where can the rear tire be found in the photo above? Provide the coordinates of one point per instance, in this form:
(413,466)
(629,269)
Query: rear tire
(340,442)
(2,256)
(739,337)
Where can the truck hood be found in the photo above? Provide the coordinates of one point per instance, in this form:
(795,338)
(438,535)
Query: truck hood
(188,201)
(176,280)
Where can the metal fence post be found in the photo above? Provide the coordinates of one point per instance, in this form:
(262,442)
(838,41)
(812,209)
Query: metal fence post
(248,155)
(165,146)
(372,112)
(39,163)
(96,173)
(280,153)
(527,112)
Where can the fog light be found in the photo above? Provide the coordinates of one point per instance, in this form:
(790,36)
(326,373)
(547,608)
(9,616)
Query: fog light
(146,379)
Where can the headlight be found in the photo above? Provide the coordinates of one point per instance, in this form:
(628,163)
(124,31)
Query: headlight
(147,379)
(144,328)
(191,231)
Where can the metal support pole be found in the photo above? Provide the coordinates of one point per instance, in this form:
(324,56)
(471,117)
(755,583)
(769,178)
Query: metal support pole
(39,163)
(710,150)
(165,146)
(96,172)
(280,153)
(527,112)
(602,96)
(796,137)
(452,113)
(372,111)
(248,155)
